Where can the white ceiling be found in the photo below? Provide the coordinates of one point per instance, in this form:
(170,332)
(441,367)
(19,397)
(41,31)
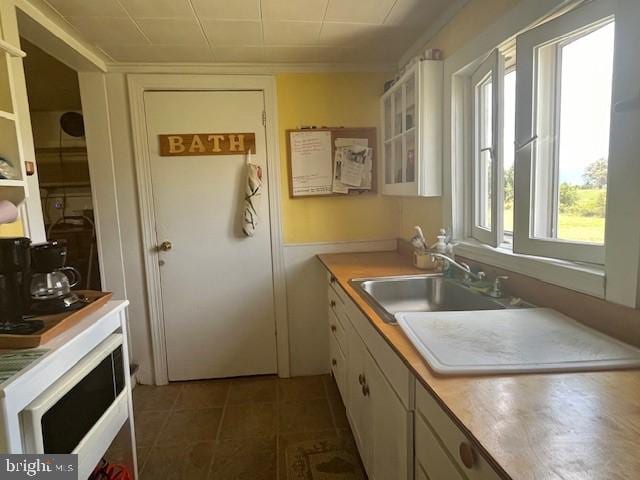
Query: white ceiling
(249,31)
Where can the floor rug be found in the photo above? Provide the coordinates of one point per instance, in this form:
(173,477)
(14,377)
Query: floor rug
(322,460)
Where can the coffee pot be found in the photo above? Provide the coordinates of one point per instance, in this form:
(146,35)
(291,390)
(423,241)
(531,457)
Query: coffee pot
(51,280)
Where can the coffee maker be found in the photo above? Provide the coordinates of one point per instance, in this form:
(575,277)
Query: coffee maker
(51,280)
(15,261)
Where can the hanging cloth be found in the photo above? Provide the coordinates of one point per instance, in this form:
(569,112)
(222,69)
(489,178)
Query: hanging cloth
(252,191)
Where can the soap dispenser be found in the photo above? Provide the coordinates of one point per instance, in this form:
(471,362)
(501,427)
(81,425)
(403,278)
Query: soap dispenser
(441,245)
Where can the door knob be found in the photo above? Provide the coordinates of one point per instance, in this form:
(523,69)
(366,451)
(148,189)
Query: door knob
(165,246)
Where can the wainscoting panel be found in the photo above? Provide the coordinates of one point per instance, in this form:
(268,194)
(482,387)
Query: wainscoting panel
(307,301)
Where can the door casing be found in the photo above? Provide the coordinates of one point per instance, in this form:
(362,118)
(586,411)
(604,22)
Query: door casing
(137,85)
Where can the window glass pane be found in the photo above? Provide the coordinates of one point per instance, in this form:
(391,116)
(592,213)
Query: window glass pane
(585,110)
(483,155)
(508,147)
(573,116)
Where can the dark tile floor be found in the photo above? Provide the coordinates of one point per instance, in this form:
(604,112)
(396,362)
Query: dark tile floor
(234,429)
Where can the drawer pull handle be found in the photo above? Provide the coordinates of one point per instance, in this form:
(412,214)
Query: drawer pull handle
(332,303)
(334,362)
(467,455)
(332,280)
(333,328)
(361,379)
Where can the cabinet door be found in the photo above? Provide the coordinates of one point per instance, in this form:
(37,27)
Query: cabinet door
(392,428)
(358,405)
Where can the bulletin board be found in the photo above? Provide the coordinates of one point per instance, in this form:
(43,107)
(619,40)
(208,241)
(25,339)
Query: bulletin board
(311,161)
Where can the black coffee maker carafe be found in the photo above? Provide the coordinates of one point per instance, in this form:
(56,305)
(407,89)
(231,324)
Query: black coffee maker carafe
(15,261)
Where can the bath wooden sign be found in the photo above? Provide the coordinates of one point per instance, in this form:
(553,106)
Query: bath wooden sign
(188,144)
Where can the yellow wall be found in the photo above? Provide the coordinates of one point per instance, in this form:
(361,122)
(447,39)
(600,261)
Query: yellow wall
(14,229)
(334,100)
(475,17)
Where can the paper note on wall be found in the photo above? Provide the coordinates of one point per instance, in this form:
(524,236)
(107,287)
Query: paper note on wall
(311,169)
(354,163)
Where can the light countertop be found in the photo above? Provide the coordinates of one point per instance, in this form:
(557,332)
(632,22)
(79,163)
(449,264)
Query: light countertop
(529,426)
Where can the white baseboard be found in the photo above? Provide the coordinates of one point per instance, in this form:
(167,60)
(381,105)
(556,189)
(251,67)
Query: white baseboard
(307,301)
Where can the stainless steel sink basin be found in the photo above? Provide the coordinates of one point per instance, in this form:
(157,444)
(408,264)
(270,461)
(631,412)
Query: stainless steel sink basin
(420,293)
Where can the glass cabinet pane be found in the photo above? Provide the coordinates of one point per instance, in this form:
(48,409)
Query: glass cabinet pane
(387,118)
(398,112)
(410,103)
(410,164)
(388,163)
(397,160)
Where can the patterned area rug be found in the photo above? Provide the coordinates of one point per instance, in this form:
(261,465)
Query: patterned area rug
(322,460)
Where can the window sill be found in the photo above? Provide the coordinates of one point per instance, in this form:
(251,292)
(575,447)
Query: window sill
(589,279)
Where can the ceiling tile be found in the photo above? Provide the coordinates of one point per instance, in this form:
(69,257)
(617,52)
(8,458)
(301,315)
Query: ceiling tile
(109,30)
(233,32)
(234,9)
(291,33)
(230,54)
(82,8)
(358,11)
(159,53)
(307,54)
(312,10)
(347,34)
(389,43)
(167,31)
(158,8)
(416,13)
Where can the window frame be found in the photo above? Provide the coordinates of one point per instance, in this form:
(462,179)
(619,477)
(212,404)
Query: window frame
(621,271)
(529,139)
(493,67)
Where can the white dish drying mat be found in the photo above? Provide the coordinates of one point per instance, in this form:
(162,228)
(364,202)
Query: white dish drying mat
(516,341)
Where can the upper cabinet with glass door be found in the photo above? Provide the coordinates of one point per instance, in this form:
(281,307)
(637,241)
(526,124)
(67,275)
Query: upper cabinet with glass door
(412,132)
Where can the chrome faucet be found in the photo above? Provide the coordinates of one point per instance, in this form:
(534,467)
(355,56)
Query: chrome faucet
(497,291)
(463,267)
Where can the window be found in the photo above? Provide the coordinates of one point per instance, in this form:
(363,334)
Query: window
(540,138)
(486,83)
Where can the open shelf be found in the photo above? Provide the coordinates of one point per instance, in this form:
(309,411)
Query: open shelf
(8,115)
(12,183)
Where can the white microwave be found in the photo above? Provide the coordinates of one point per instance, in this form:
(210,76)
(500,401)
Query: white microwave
(83,410)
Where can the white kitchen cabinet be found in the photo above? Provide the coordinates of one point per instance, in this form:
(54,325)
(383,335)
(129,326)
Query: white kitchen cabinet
(392,428)
(455,456)
(359,408)
(381,423)
(411,113)
(401,431)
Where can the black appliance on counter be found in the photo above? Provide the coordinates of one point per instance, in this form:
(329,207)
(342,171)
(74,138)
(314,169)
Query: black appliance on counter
(15,263)
(33,280)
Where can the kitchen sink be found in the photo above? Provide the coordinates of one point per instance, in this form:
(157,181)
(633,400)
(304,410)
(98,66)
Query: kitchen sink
(421,293)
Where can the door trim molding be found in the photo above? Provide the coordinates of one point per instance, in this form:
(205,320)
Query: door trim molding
(138,84)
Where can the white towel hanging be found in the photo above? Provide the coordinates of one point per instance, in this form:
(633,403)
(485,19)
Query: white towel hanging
(253,190)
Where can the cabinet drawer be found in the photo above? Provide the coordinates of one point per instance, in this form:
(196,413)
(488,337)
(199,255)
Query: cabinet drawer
(336,330)
(453,439)
(430,457)
(338,365)
(333,283)
(336,306)
(395,371)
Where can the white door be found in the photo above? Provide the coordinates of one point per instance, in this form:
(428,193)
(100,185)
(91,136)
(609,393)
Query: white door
(217,284)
